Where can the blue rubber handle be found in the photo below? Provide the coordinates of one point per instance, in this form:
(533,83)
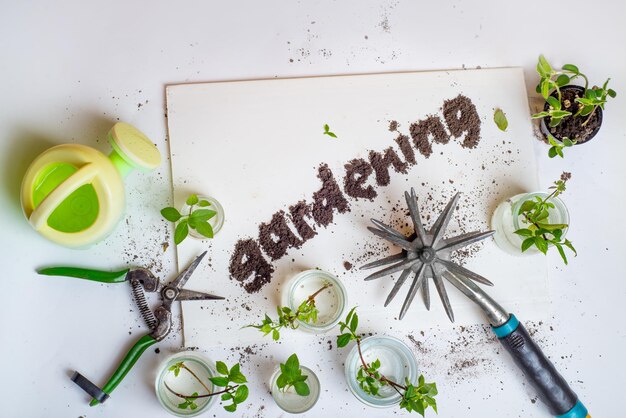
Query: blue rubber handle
(551,387)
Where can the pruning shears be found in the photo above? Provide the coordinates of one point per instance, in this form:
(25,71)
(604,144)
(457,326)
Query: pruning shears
(160,321)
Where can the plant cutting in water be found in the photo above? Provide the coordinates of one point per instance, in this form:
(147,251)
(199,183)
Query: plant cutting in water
(415,398)
(231,380)
(539,232)
(307,312)
(291,377)
(196,218)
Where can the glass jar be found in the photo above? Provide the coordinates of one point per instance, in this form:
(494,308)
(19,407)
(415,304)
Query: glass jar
(289,401)
(185,383)
(505,221)
(397,363)
(216,222)
(330,303)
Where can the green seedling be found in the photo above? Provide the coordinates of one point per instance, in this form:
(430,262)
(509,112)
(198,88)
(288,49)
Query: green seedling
(291,377)
(539,232)
(328,132)
(500,119)
(550,88)
(307,312)
(556,146)
(232,380)
(197,218)
(415,398)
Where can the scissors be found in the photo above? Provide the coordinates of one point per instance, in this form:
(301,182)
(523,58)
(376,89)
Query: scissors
(160,321)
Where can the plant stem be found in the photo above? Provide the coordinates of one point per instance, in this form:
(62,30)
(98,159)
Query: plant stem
(311,298)
(180,395)
(196,376)
(382,378)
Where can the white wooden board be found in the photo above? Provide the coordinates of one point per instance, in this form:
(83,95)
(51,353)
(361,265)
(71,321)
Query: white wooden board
(256,147)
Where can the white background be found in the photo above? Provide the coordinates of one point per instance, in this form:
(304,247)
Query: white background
(70,69)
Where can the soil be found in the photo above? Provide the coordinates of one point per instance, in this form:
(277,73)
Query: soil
(248,261)
(347,265)
(328,198)
(422,130)
(572,127)
(357,172)
(298,213)
(276,237)
(381,163)
(405,147)
(393,125)
(461,116)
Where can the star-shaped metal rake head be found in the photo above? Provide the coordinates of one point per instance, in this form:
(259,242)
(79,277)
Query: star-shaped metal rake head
(424,255)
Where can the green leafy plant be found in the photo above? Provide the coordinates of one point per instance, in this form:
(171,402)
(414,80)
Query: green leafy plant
(195,219)
(539,232)
(232,380)
(415,398)
(291,376)
(556,147)
(307,312)
(328,132)
(552,80)
(500,119)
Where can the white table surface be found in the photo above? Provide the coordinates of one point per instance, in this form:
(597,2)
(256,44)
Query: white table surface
(70,69)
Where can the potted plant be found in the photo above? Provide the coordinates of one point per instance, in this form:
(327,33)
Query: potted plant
(201,217)
(295,388)
(530,223)
(382,371)
(188,385)
(571,114)
(313,300)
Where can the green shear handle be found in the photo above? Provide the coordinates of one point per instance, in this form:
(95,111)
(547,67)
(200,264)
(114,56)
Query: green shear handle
(88,274)
(127,363)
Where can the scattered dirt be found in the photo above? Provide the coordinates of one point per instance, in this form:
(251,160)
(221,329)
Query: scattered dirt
(347,265)
(393,126)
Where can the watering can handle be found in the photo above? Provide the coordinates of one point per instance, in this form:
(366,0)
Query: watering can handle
(539,370)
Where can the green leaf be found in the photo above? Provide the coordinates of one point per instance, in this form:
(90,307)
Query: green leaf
(275,335)
(326,128)
(171,214)
(292,362)
(541,244)
(569,245)
(572,68)
(562,80)
(205,229)
(554,103)
(192,200)
(219,381)
(343,340)
(527,206)
(552,152)
(204,203)
(527,243)
(559,247)
(552,227)
(181,231)
(524,232)
(302,388)
(611,93)
(241,394)
(226,396)
(221,367)
(354,323)
(560,114)
(545,88)
(500,119)
(540,115)
(231,407)
(331,134)
(545,67)
(567,142)
(202,214)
